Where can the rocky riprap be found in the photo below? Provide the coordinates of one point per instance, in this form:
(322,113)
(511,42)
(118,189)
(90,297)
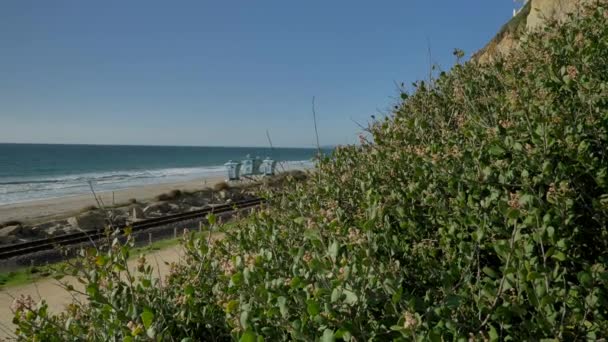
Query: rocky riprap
(170,203)
(94,218)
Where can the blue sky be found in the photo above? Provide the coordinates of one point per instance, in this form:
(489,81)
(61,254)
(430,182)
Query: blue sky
(220,72)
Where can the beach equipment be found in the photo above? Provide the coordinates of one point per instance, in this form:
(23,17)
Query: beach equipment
(251,166)
(268,166)
(233,169)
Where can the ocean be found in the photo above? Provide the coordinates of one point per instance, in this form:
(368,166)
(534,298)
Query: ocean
(41,171)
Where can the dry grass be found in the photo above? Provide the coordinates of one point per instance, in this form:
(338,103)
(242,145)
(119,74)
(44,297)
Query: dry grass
(221,186)
(88,208)
(170,196)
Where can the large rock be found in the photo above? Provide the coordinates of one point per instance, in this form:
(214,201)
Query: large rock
(55,231)
(197,200)
(157,208)
(94,219)
(10,231)
(9,234)
(117,217)
(27,232)
(136,213)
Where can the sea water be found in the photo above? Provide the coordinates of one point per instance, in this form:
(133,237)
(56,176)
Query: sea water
(40,171)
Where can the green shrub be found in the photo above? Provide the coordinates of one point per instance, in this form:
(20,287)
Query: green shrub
(479,212)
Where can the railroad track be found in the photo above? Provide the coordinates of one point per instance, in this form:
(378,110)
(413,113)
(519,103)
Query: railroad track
(29,247)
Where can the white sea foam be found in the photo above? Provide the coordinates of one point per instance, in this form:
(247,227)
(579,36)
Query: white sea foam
(17,190)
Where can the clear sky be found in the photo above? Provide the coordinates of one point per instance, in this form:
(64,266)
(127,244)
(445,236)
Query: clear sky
(220,72)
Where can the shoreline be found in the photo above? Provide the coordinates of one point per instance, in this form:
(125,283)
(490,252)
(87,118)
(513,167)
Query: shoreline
(38,211)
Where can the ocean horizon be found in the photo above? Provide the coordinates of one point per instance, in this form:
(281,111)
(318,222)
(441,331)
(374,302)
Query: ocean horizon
(31,172)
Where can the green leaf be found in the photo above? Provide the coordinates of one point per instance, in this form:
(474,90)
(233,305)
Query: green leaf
(493,334)
(151,332)
(335,295)
(313,307)
(513,214)
(312,234)
(283,306)
(490,272)
(559,256)
(496,150)
(585,278)
(343,334)
(550,232)
(452,301)
(351,297)
(328,336)
(243,319)
(147,317)
(211,218)
(333,250)
(248,336)
(189,290)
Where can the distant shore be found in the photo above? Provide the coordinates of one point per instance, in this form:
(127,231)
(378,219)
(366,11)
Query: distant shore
(56,208)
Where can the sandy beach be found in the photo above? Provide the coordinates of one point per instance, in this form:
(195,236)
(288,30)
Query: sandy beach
(56,208)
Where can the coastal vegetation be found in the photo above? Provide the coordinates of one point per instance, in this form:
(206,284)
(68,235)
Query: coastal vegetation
(30,274)
(478,210)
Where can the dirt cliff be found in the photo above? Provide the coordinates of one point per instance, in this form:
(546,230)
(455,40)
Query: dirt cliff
(532,16)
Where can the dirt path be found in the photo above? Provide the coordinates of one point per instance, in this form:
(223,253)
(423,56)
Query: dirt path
(56,297)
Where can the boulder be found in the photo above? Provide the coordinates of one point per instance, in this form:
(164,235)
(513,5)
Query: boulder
(174,207)
(10,231)
(157,207)
(196,200)
(41,229)
(9,234)
(55,231)
(94,219)
(117,217)
(27,231)
(7,239)
(136,213)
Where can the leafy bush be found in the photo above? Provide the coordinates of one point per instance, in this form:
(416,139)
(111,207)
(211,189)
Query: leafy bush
(479,212)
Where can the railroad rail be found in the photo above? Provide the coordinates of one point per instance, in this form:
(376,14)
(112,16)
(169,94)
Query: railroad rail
(29,247)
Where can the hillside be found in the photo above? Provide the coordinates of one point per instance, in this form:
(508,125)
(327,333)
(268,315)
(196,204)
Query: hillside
(533,16)
(477,211)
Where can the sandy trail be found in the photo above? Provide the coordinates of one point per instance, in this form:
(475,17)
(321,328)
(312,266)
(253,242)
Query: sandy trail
(57,298)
